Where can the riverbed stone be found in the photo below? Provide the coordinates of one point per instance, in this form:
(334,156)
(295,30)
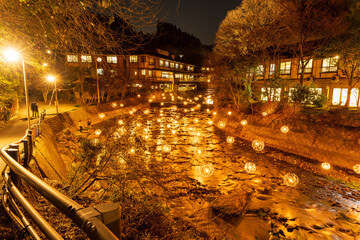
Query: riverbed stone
(232,205)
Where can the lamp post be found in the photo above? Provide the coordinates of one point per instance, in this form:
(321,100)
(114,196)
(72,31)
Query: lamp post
(12,55)
(51,78)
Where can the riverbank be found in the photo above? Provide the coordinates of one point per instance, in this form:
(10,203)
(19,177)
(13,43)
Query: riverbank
(314,140)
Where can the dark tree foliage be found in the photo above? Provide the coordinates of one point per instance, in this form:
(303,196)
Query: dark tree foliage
(173,39)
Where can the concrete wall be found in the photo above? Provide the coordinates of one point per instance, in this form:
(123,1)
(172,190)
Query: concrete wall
(46,154)
(339,147)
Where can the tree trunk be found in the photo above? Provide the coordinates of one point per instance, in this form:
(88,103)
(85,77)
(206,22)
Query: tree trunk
(45,95)
(347,103)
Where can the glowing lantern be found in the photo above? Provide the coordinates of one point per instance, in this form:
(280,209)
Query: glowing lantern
(199,105)
(131,112)
(284,129)
(196,98)
(162,104)
(161,110)
(356,168)
(196,120)
(138,95)
(133,109)
(291,179)
(243,122)
(163,94)
(147,111)
(175,108)
(186,110)
(97,132)
(166,148)
(158,120)
(138,124)
(161,114)
(229,113)
(168,126)
(199,151)
(200,96)
(250,167)
(214,113)
(185,103)
(325,166)
(173,131)
(101,115)
(207,110)
(264,114)
(207,170)
(150,100)
(258,145)
(230,139)
(132,151)
(191,109)
(121,105)
(198,134)
(121,122)
(164,98)
(114,104)
(153,96)
(209,101)
(221,124)
(210,122)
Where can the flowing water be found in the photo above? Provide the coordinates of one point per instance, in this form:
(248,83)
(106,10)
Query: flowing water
(206,168)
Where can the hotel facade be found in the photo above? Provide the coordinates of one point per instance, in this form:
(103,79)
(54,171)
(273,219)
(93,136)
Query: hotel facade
(323,73)
(155,71)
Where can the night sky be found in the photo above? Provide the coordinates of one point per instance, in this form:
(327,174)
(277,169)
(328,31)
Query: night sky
(198,17)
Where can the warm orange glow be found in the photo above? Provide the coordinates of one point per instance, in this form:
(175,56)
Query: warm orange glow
(97,132)
(291,179)
(243,122)
(284,129)
(258,145)
(250,167)
(230,139)
(325,166)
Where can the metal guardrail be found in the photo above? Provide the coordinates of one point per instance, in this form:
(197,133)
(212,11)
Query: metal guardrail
(98,222)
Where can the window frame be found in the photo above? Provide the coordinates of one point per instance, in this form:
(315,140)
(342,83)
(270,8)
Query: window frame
(286,71)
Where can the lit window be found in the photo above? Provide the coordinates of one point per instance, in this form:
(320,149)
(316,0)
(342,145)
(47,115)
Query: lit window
(181,66)
(113,73)
(270,93)
(207,69)
(166,75)
(133,58)
(143,59)
(329,64)
(151,61)
(150,73)
(318,92)
(202,69)
(166,63)
(143,72)
(111,59)
(135,73)
(272,69)
(86,58)
(260,70)
(161,63)
(176,65)
(72,58)
(308,66)
(100,71)
(354,98)
(285,67)
(172,65)
(339,96)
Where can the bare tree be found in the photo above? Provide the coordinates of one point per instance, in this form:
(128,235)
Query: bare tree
(310,24)
(67,26)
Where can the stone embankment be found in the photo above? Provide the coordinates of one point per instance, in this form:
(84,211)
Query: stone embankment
(338,146)
(47,160)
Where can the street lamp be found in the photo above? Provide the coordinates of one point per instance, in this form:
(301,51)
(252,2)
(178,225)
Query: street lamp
(51,78)
(12,55)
